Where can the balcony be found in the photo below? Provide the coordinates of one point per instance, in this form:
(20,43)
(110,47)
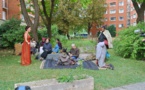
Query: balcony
(4,4)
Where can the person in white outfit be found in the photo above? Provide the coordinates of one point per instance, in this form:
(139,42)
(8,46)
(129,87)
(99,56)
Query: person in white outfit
(104,42)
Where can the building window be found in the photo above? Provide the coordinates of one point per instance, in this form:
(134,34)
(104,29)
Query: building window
(4,3)
(121,10)
(120,25)
(128,0)
(106,12)
(113,4)
(121,3)
(112,11)
(121,18)
(134,24)
(4,15)
(134,16)
(113,18)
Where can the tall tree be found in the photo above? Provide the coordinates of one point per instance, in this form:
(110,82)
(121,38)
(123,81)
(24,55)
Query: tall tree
(95,13)
(69,15)
(34,25)
(78,13)
(139,6)
(46,12)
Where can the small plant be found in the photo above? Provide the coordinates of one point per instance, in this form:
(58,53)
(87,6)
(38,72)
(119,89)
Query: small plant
(65,78)
(71,78)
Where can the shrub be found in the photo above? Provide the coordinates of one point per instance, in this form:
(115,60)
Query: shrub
(11,33)
(112,30)
(130,45)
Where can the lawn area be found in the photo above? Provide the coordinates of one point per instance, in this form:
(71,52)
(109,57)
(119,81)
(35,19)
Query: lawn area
(126,71)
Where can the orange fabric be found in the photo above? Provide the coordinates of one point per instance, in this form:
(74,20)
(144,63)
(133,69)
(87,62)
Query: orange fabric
(26,54)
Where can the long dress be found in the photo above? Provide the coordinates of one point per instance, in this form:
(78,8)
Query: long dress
(26,54)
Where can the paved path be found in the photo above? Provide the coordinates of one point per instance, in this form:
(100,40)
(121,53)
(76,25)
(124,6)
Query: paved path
(137,86)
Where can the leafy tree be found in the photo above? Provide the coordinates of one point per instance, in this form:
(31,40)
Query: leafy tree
(28,21)
(69,15)
(139,6)
(79,13)
(47,8)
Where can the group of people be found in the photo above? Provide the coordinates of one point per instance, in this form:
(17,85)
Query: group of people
(104,43)
(29,47)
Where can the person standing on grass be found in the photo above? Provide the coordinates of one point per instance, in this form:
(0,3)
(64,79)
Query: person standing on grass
(26,53)
(104,42)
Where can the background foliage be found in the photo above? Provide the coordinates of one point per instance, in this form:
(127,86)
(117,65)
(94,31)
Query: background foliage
(11,33)
(112,30)
(129,44)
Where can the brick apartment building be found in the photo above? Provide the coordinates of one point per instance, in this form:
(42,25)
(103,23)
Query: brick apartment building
(120,13)
(9,9)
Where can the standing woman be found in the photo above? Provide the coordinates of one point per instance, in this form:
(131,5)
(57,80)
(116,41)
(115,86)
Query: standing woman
(26,54)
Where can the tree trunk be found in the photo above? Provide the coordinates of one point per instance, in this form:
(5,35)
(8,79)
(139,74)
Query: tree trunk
(140,17)
(48,18)
(34,33)
(89,27)
(139,10)
(49,30)
(36,19)
(28,20)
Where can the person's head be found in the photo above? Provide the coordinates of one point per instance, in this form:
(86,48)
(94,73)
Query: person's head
(103,28)
(28,28)
(47,40)
(43,39)
(73,45)
(57,40)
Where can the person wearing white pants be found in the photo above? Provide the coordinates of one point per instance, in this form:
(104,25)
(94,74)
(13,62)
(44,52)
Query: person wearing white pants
(104,42)
(101,53)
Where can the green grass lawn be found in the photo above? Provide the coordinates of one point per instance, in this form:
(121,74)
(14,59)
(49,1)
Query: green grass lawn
(126,71)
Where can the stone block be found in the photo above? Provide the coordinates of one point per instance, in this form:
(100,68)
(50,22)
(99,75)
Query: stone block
(52,84)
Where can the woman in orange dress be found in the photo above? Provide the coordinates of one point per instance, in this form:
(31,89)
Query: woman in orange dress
(26,54)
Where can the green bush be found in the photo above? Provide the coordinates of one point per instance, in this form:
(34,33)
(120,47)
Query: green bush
(11,33)
(112,30)
(129,44)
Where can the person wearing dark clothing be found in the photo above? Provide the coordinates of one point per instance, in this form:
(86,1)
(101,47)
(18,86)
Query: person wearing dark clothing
(59,43)
(102,37)
(42,42)
(74,52)
(47,47)
(58,46)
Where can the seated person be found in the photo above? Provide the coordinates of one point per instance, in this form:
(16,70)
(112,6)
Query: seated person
(74,52)
(65,58)
(47,48)
(43,41)
(58,46)
(33,45)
